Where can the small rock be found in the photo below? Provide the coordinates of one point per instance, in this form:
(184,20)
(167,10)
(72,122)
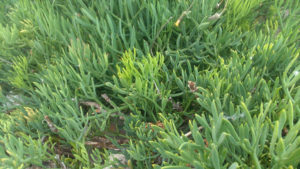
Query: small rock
(13,100)
(120,157)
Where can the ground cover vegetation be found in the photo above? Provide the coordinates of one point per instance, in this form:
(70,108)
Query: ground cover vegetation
(149,84)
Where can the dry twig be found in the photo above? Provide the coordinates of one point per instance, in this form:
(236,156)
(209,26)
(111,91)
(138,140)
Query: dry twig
(190,133)
(184,13)
(217,15)
(61,163)
(50,124)
(102,142)
(93,104)
(107,99)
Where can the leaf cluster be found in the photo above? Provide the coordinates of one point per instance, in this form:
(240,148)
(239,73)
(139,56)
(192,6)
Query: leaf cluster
(164,84)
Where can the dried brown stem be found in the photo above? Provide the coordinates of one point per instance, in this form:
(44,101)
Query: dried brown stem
(217,15)
(93,104)
(61,163)
(184,13)
(107,99)
(190,133)
(50,124)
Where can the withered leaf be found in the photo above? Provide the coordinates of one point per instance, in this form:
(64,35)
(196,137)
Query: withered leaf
(159,124)
(192,86)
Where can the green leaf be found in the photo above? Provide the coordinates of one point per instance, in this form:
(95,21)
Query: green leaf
(293,158)
(180,84)
(290,114)
(175,167)
(215,157)
(282,120)
(276,132)
(247,114)
(280,147)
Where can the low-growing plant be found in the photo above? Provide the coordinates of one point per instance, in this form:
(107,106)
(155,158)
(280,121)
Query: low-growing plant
(149,84)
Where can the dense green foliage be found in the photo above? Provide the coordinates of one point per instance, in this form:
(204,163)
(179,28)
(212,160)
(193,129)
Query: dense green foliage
(168,84)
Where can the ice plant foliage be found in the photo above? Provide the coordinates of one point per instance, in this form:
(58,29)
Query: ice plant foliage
(150,84)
